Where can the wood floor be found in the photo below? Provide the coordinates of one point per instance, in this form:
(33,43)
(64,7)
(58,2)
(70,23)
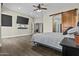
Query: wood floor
(22,46)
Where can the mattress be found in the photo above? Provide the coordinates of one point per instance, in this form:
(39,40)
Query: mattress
(50,39)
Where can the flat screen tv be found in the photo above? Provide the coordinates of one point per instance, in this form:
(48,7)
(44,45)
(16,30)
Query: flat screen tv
(22,20)
(6,20)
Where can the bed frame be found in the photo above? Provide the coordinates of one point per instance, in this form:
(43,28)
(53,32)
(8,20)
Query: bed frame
(37,44)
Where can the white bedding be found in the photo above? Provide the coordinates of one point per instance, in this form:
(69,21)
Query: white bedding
(51,39)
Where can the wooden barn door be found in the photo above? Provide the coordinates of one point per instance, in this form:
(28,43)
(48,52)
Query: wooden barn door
(68,19)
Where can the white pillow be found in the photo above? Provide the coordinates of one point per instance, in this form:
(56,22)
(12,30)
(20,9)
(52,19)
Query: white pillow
(72,31)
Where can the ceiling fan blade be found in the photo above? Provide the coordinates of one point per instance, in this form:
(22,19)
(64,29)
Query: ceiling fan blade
(39,6)
(34,6)
(44,8)
(35,9)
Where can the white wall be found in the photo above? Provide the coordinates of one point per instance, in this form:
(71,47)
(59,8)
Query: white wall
(38,20)
(47,23)
(13,31)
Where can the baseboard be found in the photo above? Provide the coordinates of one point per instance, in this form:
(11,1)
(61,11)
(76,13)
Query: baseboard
(15,36)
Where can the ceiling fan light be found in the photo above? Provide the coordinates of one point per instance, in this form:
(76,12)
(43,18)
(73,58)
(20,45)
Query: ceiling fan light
(39,10)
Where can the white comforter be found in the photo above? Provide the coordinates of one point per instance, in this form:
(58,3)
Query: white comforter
(51,39)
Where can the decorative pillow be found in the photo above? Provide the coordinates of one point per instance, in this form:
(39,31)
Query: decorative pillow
(65,32)
(72,31)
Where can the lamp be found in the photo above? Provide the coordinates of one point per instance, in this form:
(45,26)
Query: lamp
(39,10)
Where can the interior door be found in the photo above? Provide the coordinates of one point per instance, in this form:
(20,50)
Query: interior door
(68,19)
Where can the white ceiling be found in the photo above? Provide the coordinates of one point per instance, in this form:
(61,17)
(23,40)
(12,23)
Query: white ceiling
(27,8)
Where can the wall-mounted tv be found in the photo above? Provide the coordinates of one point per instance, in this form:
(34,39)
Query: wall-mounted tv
(22,20)
(6,20)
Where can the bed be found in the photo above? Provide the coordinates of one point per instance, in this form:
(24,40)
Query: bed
(49,39)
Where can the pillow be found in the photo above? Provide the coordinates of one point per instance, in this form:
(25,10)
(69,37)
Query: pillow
(65,32)
(72,31)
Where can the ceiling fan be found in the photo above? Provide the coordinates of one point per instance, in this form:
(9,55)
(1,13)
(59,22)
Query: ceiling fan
(39,7)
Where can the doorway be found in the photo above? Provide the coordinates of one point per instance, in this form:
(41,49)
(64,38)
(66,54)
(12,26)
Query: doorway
(38,28)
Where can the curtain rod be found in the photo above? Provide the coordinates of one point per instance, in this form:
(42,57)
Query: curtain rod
(63,12)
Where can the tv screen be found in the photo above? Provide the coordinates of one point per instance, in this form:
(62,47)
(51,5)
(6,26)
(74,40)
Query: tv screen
(6,20)
(22,20)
